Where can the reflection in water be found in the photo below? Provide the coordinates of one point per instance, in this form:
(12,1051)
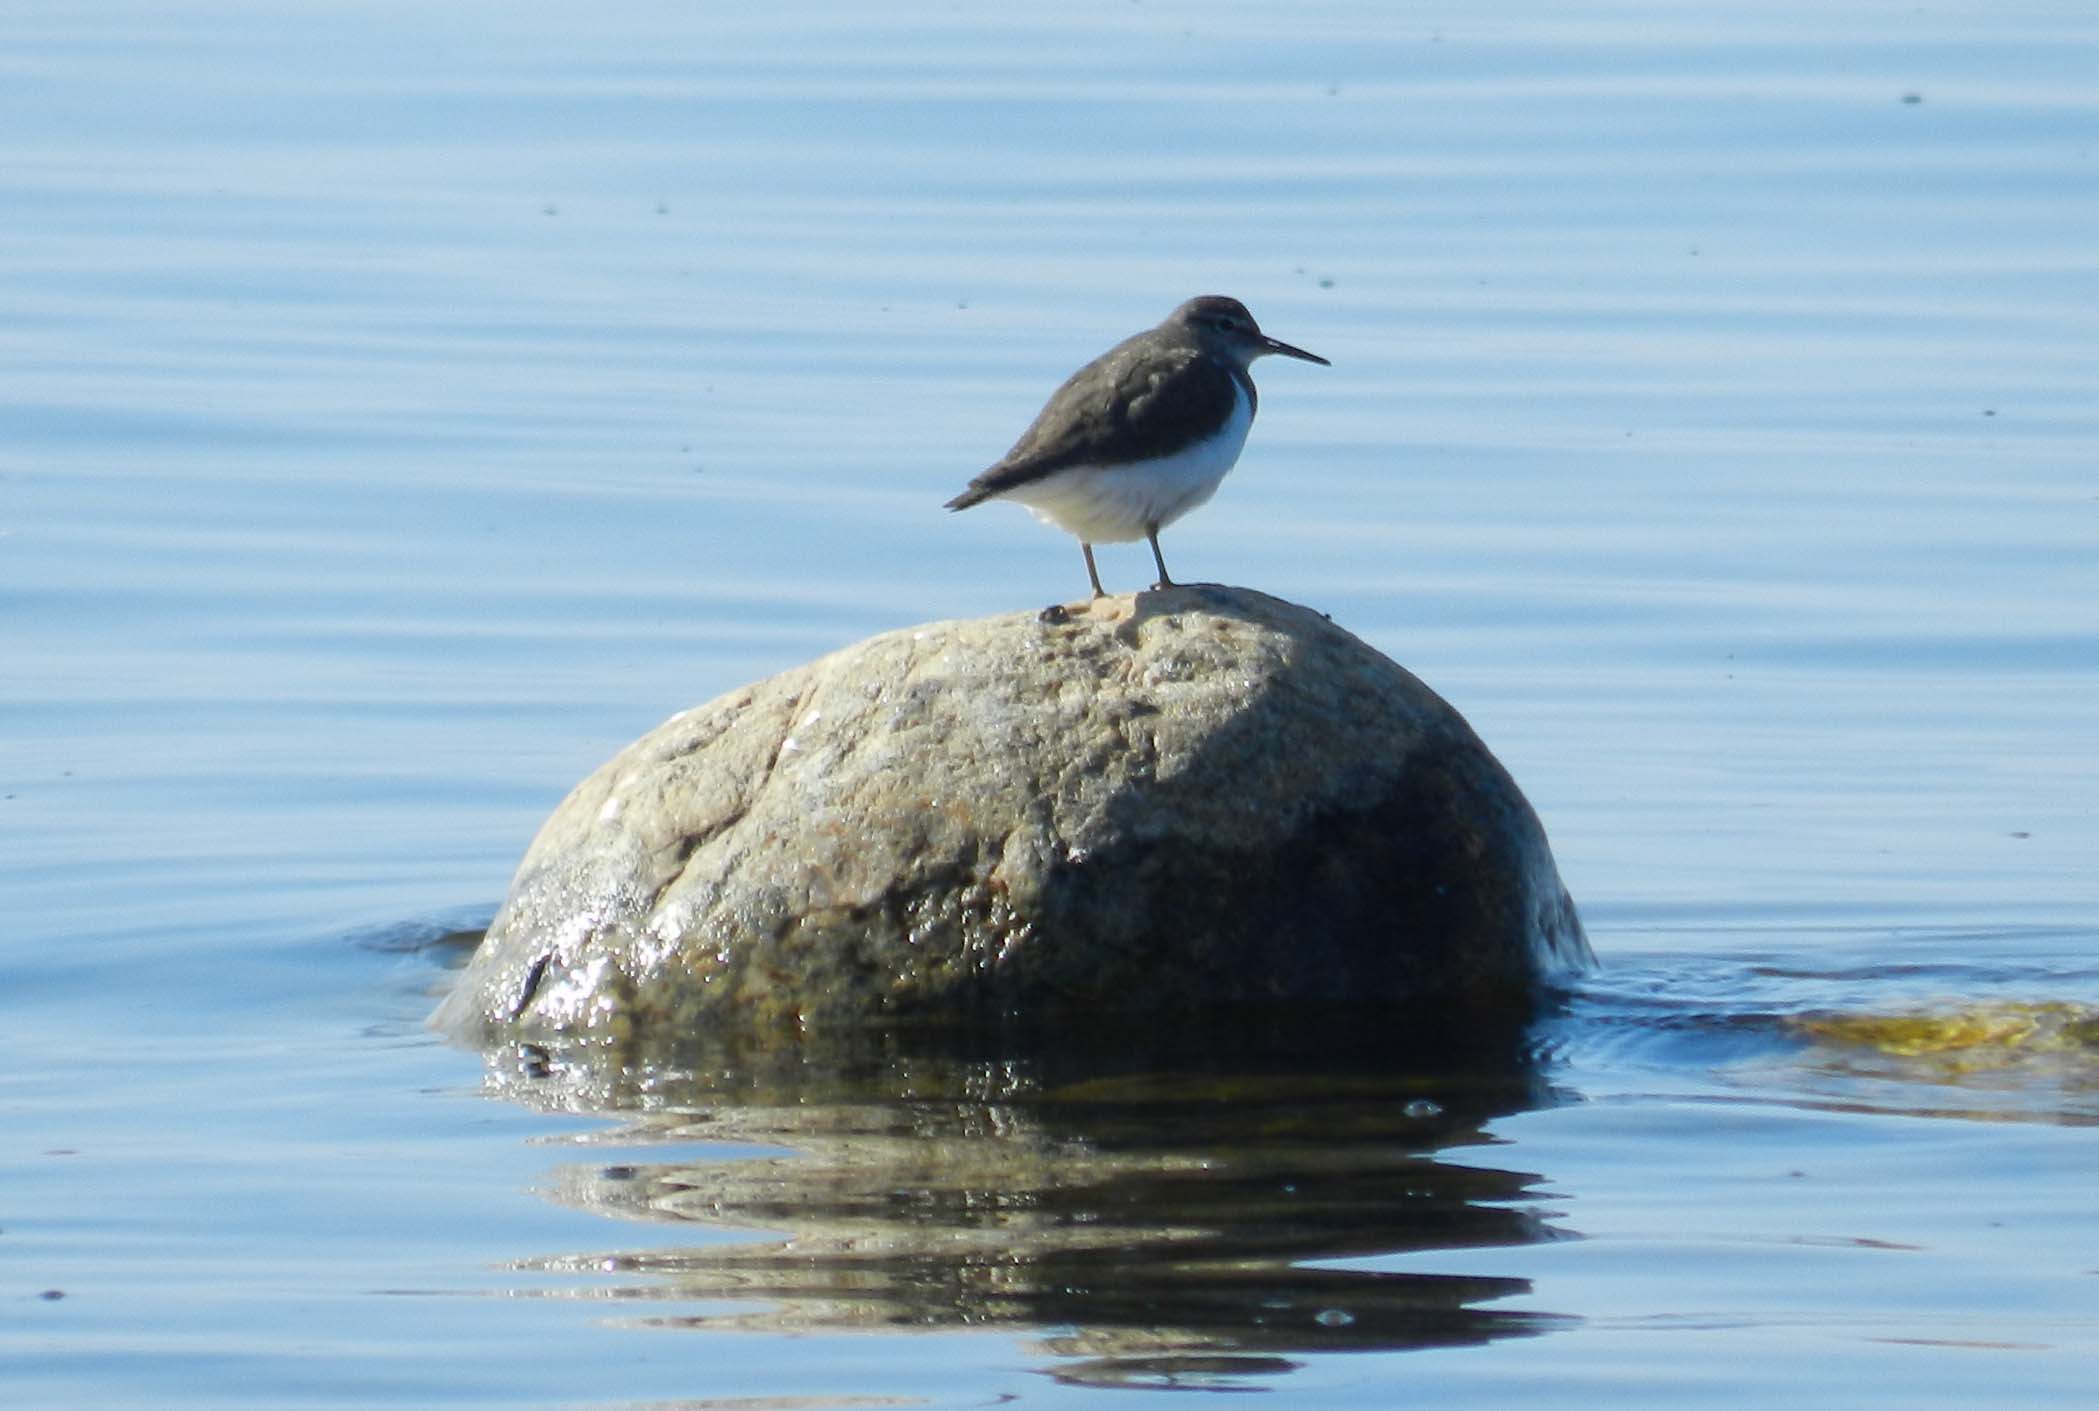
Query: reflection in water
(1158,1225)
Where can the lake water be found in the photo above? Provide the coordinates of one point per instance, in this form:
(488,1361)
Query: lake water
(404,406)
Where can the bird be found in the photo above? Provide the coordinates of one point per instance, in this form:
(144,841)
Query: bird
(1142,434)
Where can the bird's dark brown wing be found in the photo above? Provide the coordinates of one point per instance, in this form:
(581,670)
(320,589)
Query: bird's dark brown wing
(1134,402)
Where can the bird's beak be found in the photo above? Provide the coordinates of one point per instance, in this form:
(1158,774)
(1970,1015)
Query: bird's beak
(1277,345)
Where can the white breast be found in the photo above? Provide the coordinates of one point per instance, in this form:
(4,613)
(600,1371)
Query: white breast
(1116,504)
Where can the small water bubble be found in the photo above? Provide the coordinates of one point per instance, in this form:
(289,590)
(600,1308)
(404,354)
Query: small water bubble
(1422,1108)
(1334,1318)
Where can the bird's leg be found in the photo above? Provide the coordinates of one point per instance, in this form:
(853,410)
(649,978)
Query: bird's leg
(1151,533)
(1091,572)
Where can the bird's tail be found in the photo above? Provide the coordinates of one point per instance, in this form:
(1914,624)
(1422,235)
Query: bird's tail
(974,495)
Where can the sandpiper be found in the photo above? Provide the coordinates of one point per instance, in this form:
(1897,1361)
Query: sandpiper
(1142,434)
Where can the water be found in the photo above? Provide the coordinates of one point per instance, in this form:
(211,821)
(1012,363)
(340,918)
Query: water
(406,406)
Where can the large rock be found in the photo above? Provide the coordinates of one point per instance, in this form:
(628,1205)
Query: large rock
(1162,806)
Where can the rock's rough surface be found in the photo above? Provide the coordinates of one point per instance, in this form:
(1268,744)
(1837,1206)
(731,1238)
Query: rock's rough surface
(1158,806)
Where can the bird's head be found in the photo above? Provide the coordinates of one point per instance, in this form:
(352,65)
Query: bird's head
(1226,327)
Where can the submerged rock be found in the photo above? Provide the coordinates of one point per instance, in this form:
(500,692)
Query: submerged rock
(1157,807)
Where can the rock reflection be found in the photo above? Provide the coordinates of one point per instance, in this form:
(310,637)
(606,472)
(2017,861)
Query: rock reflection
(1163,1225)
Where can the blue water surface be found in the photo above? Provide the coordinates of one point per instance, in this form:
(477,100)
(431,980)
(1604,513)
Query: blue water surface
(404,406)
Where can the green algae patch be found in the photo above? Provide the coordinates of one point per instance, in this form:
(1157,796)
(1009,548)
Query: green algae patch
(1967,1038)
